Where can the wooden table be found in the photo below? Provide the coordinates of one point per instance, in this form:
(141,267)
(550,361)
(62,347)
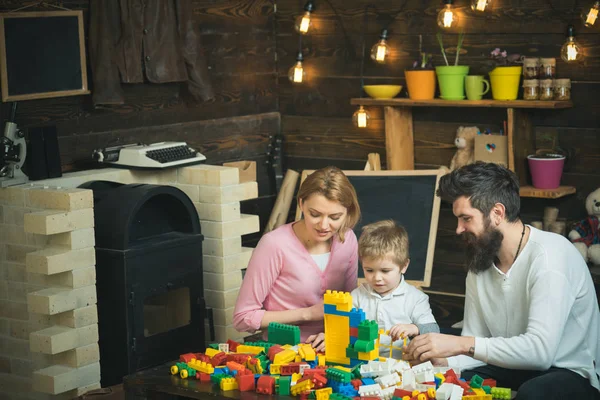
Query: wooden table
(158,383)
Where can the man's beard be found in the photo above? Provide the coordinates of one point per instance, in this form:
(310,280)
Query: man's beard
(482,251)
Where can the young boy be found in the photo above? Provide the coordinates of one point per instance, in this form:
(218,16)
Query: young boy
(385,297)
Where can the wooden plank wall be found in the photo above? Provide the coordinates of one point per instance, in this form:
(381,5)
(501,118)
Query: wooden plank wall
(316,116)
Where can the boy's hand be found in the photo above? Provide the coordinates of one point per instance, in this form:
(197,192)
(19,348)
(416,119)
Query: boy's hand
(400,331)
(317,342)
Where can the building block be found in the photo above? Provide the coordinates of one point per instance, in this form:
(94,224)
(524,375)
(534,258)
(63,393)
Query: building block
(283,334)
(307,352)
(74,279)
(228,384)
(49,222)
(55,300)
(57,339)
(501,393)
(284,357)
(265,385)
(284,385)
(53,260)
(74,240)
(342,300)
(59,379)
(59,199)
(246,382)
(78,317)
(368,330)
(476,381)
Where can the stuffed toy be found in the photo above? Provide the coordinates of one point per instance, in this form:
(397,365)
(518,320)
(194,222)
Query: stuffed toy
(586,234)
(465,142)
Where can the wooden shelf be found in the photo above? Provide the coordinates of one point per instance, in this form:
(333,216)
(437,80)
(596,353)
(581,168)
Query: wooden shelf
(400,102)
(530,191)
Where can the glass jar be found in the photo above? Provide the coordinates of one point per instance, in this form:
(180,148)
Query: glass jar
(547,68)
(531,67)
(562,89)
(546,89)
(531,89)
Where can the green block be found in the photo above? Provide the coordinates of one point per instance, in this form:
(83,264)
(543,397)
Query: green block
(368,330)
(487,389)
(337,396)
(356,371)
(284,385)
(364,346)
(501,393)
(214,346)
(338,375)
(283,334)
(476,382)
(266,345)
(351,353)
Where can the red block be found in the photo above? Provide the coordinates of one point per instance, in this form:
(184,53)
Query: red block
(187,357)
(202,357)
(202,377)
(233,366)
(218,359)
(274,350)
(356,383)
(265,385)
(232,345)
(354,332)
(401,393)
(238,358)
(489,382)
(246,382)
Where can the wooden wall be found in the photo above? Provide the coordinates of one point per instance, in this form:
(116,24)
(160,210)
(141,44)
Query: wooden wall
(316,116)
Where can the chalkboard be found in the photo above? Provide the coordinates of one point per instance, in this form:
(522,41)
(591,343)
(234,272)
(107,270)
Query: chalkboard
(408,197)
(42,55)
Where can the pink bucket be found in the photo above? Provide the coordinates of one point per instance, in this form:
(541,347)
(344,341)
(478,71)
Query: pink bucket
(546,171)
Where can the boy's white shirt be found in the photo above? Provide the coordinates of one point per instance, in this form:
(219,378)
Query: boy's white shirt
(404,305)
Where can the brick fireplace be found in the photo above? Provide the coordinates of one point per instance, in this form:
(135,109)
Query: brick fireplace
(48,315)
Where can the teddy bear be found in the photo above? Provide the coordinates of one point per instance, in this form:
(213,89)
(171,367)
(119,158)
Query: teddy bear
(586,233)
(465,142)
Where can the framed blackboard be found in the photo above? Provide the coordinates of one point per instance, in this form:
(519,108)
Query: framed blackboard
(408,197)
(42,55)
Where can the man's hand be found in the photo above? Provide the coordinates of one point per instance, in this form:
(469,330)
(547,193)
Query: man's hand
(317,342)
(400,331)
(314,313)
(435,345)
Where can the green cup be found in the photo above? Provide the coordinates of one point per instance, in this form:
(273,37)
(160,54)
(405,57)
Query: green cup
(474,86)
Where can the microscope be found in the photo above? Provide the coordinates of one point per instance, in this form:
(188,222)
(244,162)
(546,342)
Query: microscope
(13,151)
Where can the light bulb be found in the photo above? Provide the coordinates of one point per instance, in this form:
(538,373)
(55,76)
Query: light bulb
(380,50)
(480,5)
(296,74)
(303,22)
(361,118)
(447,17)
(571,51)
(590,15)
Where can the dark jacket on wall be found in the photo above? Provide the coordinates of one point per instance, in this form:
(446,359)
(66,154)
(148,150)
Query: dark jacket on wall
(156,39)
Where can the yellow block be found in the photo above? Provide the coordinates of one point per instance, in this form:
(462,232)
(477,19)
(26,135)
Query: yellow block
(307,352)
(341,300)
(284,357)
(242,348)
(337,337)
(210,352)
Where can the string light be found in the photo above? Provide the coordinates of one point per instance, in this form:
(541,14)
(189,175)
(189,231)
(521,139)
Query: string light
(571,50)
(480,5)
(296,74)
(589,18)
(380,50)
(361,117)
(303,22)
(447,17)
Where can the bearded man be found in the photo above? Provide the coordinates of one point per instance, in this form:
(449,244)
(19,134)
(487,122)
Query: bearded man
(531,314)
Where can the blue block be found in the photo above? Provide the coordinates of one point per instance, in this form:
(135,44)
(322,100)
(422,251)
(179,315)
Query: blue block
(353,340)
(356,317)
(347,390)
(330,309)
(368,381)
(355,361)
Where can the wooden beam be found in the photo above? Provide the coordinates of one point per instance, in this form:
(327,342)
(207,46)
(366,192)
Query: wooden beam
(399,138)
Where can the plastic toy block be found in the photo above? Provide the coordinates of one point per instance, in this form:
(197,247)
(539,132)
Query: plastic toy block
(370,390)
(368,330)
(337,339)
(364,346)
(307,352)
(224,347)
(265,385)
(431,393)
(296,378)
(347,390)
(351,352)
(284,385)
(337,396)
(283,334)
(323,394)
(339,375)
(301,386)
(201,366)
(187,357)
(487,389)
(501,393)
(218,359)
(216,378)
(202,377)
(489,382)
(421,396)
(356,317)
(389,380)
(342,300)
(233,366)
(275,369)
(211,352)
(232,345)
(274,350)
(284,357)
(477,397)
(246,382)
(242,348)
(228,384)
(476,381)
(370,356)
(402,392)
(266,345)
(177,367)
(238,358)
(353,340)
(186,372)
(354,331)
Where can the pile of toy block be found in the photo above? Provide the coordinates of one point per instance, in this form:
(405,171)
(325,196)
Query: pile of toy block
(285,366)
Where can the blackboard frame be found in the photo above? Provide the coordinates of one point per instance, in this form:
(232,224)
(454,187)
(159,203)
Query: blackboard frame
(6,96)
(437,173)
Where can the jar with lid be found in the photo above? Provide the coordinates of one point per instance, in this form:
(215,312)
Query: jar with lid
(531,89)
(562,89)
(547,68)
(546,89)
(531,67)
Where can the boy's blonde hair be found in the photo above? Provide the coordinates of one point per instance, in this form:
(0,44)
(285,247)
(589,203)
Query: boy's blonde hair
(331,183)
(381,238)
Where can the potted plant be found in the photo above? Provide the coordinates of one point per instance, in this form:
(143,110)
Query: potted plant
(546,166)
(506,75)
(420,79)
(452,77)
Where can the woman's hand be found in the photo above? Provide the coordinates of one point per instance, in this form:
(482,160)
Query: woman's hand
(317,342)
(314,313)
(400,331)
(436,345)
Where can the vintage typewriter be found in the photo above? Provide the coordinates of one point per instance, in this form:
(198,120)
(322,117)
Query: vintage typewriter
(156,155)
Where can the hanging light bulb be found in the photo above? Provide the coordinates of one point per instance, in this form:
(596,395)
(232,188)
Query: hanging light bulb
(480,5)
(296,74)
(590,15)
(380,50)
(303,22)
(447,17)
(571,51)
(361,117)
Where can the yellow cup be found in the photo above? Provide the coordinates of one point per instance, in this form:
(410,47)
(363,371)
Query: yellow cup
(505,82)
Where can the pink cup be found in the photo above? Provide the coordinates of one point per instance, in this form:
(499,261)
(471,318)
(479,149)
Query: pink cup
(546,171)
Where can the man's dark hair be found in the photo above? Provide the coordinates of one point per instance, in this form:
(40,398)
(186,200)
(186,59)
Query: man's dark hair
(485,184)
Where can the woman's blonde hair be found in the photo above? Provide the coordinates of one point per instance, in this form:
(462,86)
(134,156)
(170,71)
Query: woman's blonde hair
(382,238)
(331,183)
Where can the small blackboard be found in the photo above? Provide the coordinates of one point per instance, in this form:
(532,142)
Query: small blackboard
(42,55)
(408,197)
